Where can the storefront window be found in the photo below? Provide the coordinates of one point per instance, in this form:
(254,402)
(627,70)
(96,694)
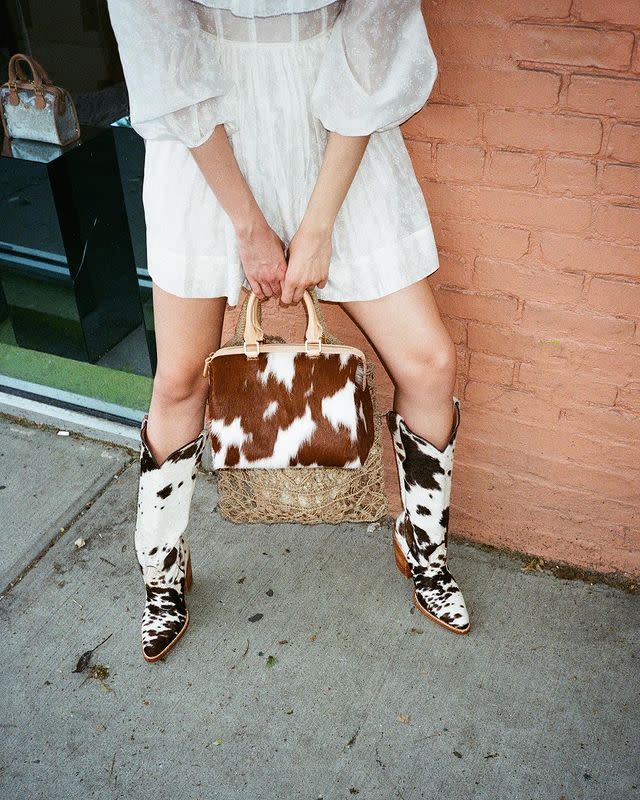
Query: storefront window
(76,314)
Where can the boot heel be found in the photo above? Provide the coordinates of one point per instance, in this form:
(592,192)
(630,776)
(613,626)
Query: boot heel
(188,575)
(401,561)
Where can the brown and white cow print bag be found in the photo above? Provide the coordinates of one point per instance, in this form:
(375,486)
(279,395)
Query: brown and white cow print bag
(277,404)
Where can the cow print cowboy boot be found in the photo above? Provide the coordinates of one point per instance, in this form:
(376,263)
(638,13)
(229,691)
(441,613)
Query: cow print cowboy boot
(420,535)
(164,500)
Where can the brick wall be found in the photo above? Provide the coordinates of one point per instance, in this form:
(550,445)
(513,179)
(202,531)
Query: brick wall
(528,153)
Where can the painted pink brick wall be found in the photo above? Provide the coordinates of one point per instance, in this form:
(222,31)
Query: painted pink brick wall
(528,154)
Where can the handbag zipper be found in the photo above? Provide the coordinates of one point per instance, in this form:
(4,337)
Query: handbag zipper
(287,348)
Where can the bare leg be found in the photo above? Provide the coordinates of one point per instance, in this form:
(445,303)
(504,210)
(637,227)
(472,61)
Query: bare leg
(408,334)
(187,330)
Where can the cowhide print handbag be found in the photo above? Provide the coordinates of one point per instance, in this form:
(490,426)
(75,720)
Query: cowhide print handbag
(275,404)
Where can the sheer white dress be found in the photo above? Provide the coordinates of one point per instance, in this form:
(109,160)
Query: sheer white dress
(278,74)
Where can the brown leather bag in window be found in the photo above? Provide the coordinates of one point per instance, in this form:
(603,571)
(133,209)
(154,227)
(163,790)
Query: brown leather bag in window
(36,109)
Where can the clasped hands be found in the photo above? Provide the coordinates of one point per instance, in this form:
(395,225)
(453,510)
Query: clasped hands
(271,273)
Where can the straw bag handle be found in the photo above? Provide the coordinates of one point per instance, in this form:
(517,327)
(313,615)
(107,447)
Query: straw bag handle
(253,332)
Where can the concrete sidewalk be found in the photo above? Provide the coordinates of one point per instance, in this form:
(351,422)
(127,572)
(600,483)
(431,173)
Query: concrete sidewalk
(305,672)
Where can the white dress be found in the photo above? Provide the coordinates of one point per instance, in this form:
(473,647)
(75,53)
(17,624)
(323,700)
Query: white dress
(278,74)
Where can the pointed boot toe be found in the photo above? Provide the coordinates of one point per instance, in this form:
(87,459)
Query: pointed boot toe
(165,617)
(439,598)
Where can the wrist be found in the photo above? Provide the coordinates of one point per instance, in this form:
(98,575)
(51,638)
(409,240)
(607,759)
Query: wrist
(318,226)
(249,223)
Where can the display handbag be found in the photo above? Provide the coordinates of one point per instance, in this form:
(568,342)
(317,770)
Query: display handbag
(293,427)
(36,109)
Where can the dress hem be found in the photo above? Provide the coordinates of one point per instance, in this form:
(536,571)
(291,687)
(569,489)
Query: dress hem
(425,263)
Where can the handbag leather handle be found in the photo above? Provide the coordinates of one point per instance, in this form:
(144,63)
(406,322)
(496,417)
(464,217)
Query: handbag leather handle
(38,78)
(253,330)
(13,69)
(16,69)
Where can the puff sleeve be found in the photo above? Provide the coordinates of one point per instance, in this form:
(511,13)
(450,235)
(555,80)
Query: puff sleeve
(378,68)
(177,89)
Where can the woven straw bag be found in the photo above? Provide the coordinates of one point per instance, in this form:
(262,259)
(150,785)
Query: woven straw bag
(322,494)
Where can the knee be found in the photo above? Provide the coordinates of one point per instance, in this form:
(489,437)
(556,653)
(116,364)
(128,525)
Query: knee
(174,385)
(432,363)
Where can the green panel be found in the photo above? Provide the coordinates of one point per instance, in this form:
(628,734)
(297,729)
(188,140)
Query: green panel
(108,385)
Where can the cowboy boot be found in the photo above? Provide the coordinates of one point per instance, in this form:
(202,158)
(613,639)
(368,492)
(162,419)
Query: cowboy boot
(420,535)
(164,501)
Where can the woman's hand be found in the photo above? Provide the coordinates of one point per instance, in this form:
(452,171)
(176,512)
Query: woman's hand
(262,255)
(261,249)
(308,261)
(310,248)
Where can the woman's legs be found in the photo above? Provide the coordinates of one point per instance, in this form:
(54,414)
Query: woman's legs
(407,331)
(187,330)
